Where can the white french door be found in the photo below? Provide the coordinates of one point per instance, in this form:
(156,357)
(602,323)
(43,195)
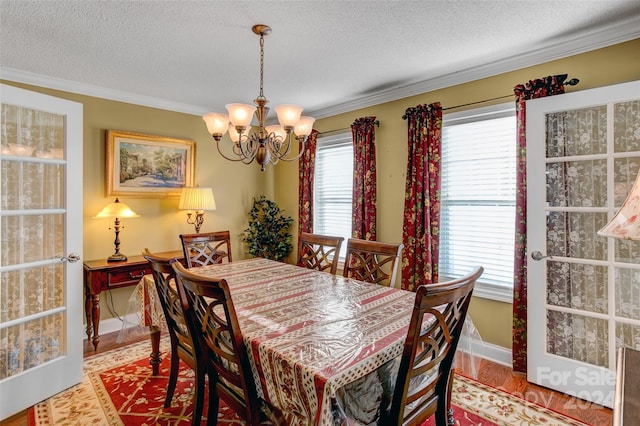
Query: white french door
(41,238)
(583,155)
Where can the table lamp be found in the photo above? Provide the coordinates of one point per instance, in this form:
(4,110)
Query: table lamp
(196,200)
(118,210)
(625,224)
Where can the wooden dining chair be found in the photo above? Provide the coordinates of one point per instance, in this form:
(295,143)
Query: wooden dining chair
(319,252)
(182,342)
(211,316)
(206,248)
(372,261)
(425,376)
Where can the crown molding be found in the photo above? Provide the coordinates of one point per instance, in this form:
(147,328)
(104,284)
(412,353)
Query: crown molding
(620,33)
(40,80)
(598,39)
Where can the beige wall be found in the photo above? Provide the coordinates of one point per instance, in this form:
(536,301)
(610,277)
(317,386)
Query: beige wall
(234,185)
(616,64)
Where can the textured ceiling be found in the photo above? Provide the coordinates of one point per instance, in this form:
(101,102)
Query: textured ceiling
(196,56)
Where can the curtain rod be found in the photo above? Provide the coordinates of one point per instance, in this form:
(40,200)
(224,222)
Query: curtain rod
(377,123)
(444,109)
(572,82)
(479,102)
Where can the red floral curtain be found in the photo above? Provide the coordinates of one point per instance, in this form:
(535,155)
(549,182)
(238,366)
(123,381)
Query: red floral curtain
(306,167)
(421,224)
(365,186)
(551,85)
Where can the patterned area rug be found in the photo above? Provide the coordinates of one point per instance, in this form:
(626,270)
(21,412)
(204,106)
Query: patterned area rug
(118,389)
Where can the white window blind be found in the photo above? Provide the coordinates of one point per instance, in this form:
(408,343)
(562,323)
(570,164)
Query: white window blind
(478,195)
(333,191)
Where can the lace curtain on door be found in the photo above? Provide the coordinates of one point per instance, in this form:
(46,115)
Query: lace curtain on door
(583,183)
(31,179)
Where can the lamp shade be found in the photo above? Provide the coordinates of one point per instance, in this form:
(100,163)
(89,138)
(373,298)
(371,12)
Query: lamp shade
(117,209)
(288,115)
(240,114)
(304,126)
(625,224)
(197,199)
(217,123)
(277,130)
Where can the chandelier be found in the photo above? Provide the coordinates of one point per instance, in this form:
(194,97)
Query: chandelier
(269,144)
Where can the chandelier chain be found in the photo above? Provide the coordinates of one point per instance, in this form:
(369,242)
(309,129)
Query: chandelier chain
(261,66)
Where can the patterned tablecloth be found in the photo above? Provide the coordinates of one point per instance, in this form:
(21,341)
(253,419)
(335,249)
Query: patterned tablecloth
(310,334)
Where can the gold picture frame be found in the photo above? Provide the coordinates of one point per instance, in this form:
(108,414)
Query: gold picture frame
(139,165)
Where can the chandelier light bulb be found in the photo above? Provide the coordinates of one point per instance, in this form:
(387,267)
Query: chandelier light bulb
(234,135)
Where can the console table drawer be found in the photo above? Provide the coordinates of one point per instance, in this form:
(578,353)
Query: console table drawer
(126,277)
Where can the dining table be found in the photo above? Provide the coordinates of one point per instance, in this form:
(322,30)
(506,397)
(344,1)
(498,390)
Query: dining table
(323,348)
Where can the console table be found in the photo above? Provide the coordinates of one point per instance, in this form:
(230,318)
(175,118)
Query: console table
(100,275)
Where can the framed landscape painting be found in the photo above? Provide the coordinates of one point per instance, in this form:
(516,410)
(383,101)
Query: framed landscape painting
(140,165)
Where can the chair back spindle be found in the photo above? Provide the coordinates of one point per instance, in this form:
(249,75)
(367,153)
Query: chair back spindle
(372,261)
(207,248)
(319,252)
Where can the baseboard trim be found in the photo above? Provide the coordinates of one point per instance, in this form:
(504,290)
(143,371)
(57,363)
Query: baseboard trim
(111,325)
(489,351)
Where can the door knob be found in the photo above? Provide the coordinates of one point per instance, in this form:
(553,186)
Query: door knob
(71,258)
(536,255)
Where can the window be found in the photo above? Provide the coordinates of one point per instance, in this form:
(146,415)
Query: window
(333,190)
(478,197)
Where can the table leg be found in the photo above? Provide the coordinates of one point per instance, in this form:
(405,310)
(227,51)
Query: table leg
(95,315)
(87,311)
(154,357)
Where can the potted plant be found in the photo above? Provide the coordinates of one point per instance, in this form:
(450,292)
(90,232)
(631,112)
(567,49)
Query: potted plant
(268,233)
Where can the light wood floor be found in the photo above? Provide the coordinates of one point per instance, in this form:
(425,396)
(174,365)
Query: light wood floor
(503,378)
(490,373)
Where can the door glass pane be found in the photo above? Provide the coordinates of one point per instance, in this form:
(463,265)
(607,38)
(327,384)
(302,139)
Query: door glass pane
(626,126)
(31,185)
(30,238)
(31,291)
(573,234)
(625,171)
(30,344)
(577,184)
(628,335)
(578,286)
(577,132)
(628,293)
(578,337)
(627,251)
(28,132)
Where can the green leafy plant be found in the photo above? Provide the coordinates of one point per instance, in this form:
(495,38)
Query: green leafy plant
(268,233)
